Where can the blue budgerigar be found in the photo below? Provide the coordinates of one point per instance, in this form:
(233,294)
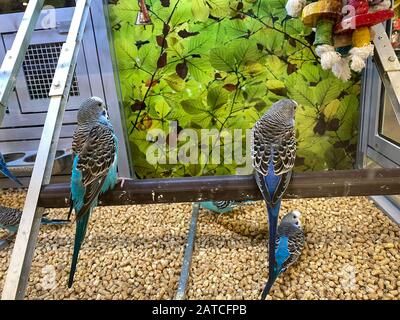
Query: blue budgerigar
(273,151)
(10,218)
(289,243)
(4,170)
(94,171)
(223,206)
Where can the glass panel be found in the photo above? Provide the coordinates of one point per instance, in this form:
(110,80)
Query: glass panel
(11,6)
(389,126)
(219,68)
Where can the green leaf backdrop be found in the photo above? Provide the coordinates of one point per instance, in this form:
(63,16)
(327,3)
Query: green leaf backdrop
(220,64)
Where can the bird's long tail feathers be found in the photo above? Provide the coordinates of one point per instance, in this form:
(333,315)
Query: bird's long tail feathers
(9,175)
(54,221)
(81,226)
(271,280)
(273,213)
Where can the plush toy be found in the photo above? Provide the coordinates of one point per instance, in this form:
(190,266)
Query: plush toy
(358,25)
(294,7)
(343,38)
(323,15)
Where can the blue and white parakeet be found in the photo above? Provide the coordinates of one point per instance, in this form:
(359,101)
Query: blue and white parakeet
(273,151)
(10,218)
(289,243)
(223,206)
(94,171)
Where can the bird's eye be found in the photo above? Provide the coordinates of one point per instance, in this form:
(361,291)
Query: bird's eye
(99,104)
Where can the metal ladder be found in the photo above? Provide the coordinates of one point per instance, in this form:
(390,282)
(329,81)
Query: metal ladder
(21,259)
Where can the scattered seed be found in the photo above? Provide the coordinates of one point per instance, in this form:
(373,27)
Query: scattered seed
(136,252)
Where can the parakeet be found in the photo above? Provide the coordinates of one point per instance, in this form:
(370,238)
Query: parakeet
(10,218)
(223,206)
(4,170)
(289,243)
(273,151)
(94,170)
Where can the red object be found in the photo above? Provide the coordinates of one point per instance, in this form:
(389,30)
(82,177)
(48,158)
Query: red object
(143,8)
(363,20)
(396,25)
(361,6)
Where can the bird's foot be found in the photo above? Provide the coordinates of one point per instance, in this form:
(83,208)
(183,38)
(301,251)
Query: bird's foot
(123,181)
(219,217)
(10,236)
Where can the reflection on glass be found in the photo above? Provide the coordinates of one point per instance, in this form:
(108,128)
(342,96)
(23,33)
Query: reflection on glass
(11,6)
(389,126)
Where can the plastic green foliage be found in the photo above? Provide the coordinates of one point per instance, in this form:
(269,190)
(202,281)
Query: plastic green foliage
(220,64)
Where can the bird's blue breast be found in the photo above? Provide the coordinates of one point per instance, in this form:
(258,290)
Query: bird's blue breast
(77,188)
(112,175)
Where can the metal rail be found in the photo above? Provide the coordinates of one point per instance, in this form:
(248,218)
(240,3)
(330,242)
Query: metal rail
(388,67)
(187,258)
(21,259)
(386,205)
(14,57)
(194,189)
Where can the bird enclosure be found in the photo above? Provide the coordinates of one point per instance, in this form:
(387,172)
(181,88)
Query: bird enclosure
(184,83)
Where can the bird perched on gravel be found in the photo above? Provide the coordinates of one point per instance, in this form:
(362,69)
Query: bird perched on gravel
(94,170)
(4,170)
(273,152)
(10,218)
(289,243)
(223,206)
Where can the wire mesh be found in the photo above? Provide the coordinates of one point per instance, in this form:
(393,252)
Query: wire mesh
(39,66)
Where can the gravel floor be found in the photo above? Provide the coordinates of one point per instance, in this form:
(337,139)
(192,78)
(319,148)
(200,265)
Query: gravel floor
(135,252)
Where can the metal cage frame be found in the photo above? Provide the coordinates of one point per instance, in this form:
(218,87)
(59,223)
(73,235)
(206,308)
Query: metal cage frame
(381,79)
(42,194)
